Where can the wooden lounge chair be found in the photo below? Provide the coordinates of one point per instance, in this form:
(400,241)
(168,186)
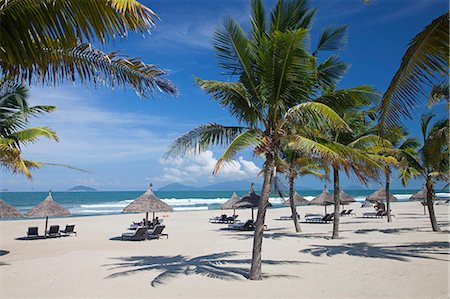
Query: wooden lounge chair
(320,219)
(288,217)
(32,233)
(373,214)
(138,235)
(248,225)
(53,232)
(68,230)
(156,233)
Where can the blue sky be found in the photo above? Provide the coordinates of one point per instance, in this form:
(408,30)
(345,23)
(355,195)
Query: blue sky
(121,138)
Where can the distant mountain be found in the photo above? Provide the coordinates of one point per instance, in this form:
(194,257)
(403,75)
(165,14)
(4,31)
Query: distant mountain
(224,186)
(81,189)
(177,187)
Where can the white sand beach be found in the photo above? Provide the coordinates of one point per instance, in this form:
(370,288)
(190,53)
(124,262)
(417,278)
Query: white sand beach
(373,258)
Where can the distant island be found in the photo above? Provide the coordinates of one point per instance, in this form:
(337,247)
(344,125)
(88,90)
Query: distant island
(81,189)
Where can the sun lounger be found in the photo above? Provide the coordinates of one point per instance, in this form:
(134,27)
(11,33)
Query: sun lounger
(53,232)
(347,212)
(224,219)
(138,235)
(373,214)
(288,217)
(320,219)
(32,233)
(68,230)
(156,233)
(249,225)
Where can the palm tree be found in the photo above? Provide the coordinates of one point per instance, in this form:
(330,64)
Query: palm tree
(431,161)
(424,64)
(14,134)
(277,82)
(296,164)
(439,92)
(50,41)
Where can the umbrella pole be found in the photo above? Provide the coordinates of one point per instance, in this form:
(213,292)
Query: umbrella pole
(424,210)
(253,217)
(153,217)
(234,215)
(146,219)
(326,209)
(46,224)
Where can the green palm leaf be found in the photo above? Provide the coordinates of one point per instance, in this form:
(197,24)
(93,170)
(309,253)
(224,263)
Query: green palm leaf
(251,138)
(425,61)
(318,115)
(199,139)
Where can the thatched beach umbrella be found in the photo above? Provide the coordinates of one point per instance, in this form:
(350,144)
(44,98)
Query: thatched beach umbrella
(147,202)
(298,200)
(345,198)
(7,211)
(229,204)
(249,200)
(325,198)
(422,196)
(47,208)
(380,196)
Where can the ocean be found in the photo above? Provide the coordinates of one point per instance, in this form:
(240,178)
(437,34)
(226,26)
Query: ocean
(113,202)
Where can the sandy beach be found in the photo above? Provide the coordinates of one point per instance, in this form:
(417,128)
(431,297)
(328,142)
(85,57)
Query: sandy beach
(373,258)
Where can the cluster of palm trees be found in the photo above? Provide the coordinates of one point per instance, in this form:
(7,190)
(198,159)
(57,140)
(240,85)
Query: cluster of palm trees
(49,42)
(294,117)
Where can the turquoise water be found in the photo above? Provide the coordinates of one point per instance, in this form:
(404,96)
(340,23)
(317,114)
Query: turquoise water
(113,202)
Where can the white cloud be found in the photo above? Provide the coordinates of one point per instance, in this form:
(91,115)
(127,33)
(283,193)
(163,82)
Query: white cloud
(91,133)
(198,169)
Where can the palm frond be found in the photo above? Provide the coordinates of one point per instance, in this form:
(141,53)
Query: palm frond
(231,95)
(69,22)
(331,70)
(290,15)
(83,61)
(199,139)
(439,92)
(318,115)
(341,100)
(243,140)
(332,39)
(424,62)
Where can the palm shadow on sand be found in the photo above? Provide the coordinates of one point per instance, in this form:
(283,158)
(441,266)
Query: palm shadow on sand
(281,235)
(217,266)
(402,253)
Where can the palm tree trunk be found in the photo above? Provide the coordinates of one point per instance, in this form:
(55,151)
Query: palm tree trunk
(292,204)
(337,203)
(388,201)
(255,270)
(434,224)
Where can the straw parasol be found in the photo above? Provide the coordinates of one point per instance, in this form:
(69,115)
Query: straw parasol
(422,196)
(380,196)
(298,200)
(48,207)
(7,211)
(325,198)
(345,198)
(249,200)
(229,204)
(147,202)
